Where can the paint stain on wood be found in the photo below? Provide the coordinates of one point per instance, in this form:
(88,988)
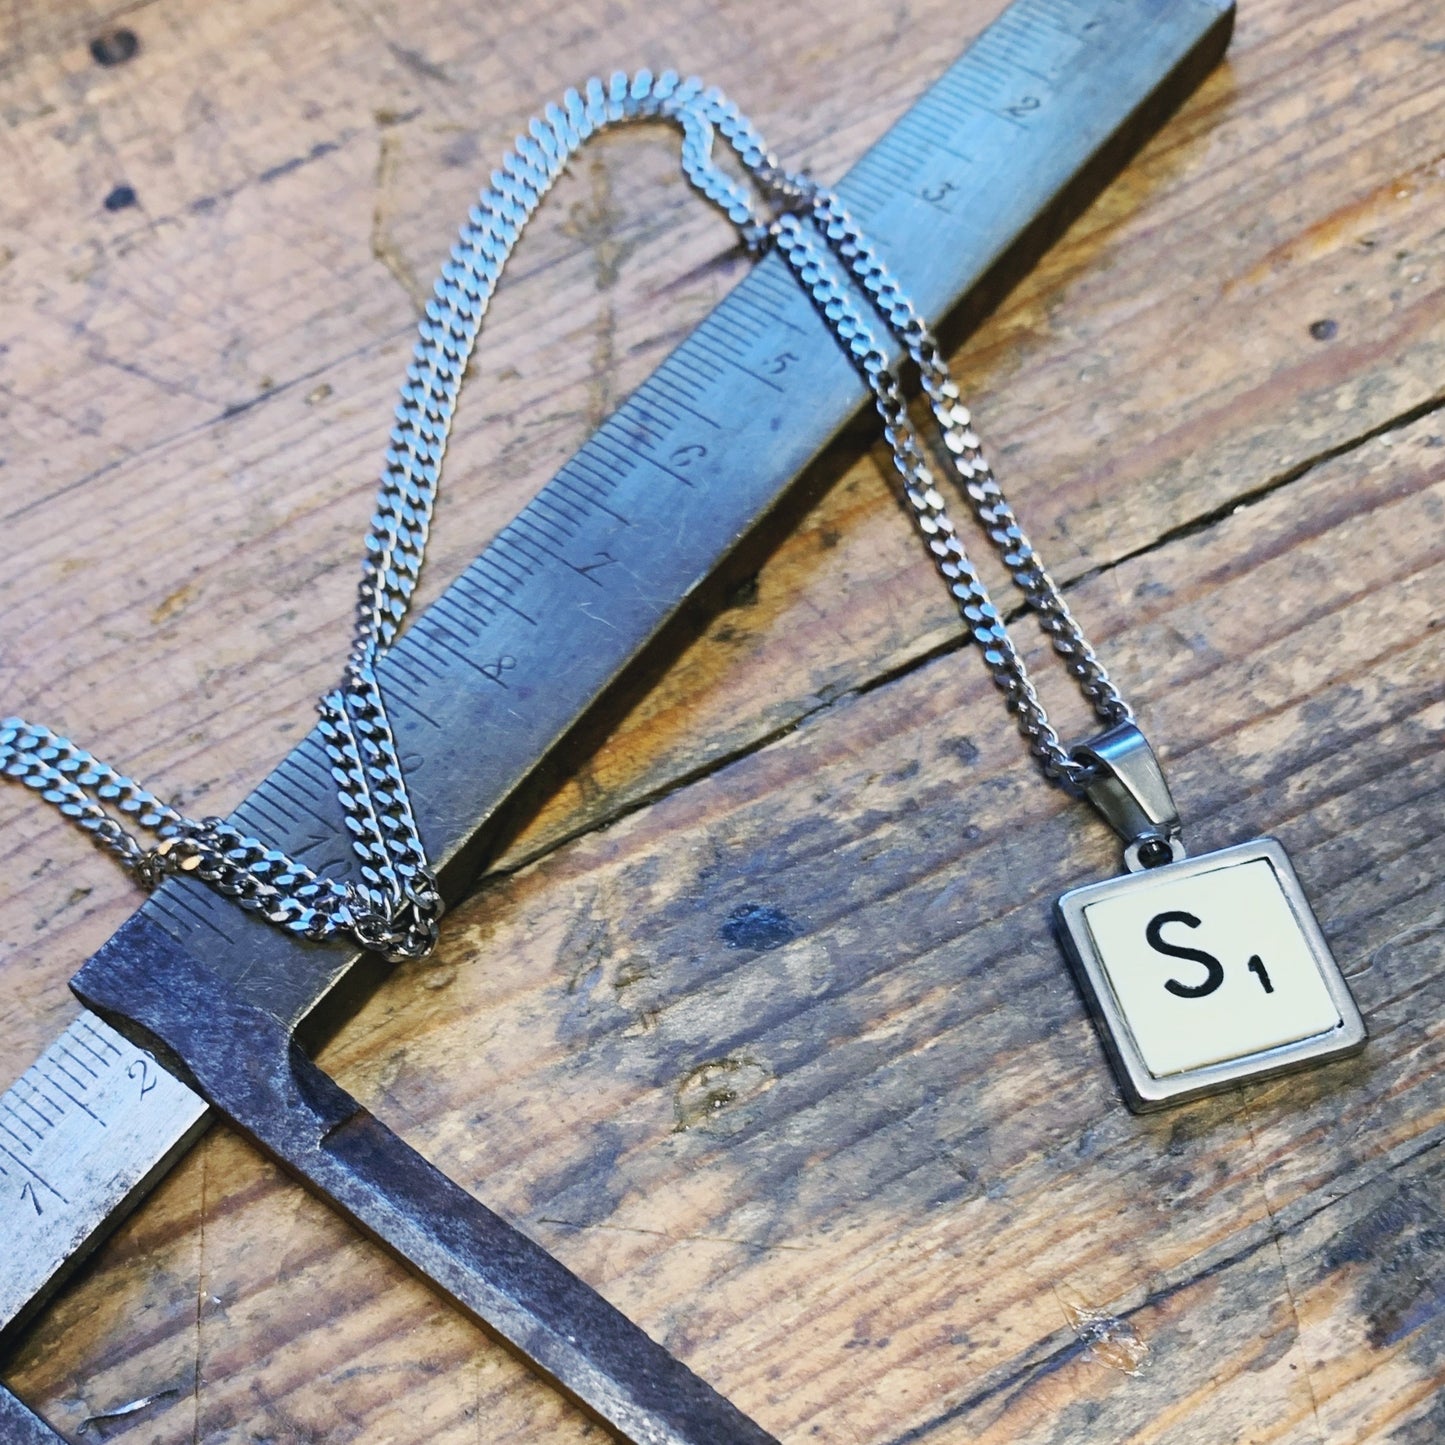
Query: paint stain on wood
(173,603)
(716,1086)
(1110,1341)
(758,926)
(114,47)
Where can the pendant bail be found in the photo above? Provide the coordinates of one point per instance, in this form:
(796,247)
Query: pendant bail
(1129,788)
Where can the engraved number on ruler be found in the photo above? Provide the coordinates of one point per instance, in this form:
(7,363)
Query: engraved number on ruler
(144,1072)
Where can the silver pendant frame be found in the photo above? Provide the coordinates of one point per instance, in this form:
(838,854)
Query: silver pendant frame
(1143,1091)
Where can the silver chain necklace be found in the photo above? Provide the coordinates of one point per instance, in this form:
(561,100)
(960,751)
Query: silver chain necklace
(1113,931)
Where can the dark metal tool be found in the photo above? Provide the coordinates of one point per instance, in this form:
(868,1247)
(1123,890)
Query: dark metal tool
(961,196)
(249,1067)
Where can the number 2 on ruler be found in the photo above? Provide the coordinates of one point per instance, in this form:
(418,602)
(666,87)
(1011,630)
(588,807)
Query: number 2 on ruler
(141,1070)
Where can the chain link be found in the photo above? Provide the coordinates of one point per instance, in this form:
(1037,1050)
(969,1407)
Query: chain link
(395,906)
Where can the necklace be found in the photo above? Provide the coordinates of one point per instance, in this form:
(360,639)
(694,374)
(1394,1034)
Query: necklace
(1242,985)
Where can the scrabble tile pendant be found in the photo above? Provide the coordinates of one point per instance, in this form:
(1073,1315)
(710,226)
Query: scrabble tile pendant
(1201,973)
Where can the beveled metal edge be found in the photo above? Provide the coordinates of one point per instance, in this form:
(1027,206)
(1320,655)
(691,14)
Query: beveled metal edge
(1143,1091)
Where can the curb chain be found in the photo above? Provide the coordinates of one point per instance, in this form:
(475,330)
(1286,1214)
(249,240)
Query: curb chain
(394,908)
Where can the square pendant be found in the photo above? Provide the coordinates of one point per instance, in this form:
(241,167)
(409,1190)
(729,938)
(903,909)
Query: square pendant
(1206,973)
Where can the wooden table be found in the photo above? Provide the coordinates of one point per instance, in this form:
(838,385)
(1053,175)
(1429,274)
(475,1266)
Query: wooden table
(759,1024)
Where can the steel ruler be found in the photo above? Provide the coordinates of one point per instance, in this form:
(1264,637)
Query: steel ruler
(961,195)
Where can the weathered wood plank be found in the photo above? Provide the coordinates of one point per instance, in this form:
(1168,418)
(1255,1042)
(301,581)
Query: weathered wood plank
(902,1180)
(788,1064)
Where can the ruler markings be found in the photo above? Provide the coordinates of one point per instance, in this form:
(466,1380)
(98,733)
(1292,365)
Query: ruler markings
(508,605)
(300,779)
(588,465)
(473,591)
(496,595)
(45,1079)
(775,285)
(88,1045)
(1045,26)
(77,1059)
(669,471)
(96,1042)
(465,601)
(76,1154)
(680,377)
(60,1089)
(61,1051)
(868,190)
(932,143)
(747,371)
(79,1103)
(1022,54)
(916,126)
(314,797)
(665,469)
(746,315)
(737,328)
(481,583)
(987,66)
(456,642)
(971,90)
(423,672)
(33,1173)
(262,806)
(561,508)
(596,488)
(20,1143)
(1032,43)
(590,499)
(22,1121)
(642,434)
(607,446)
(589,475)
(281,809)
(626,425)
(774,317)
(408,704)
(524,528)
(178,901)
(513,538)
(522,558)
(539,521)
(659,398)
(35,1108)
(533,543)
(664,418)
(74,1058)
(749,329)
(728,351)
(488,671)
(404,667)
(431,654)
(943,148)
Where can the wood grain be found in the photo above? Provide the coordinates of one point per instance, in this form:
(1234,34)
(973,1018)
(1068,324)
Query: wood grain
(776,1050)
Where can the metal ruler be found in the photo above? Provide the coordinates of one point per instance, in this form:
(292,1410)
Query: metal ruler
(961,196)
